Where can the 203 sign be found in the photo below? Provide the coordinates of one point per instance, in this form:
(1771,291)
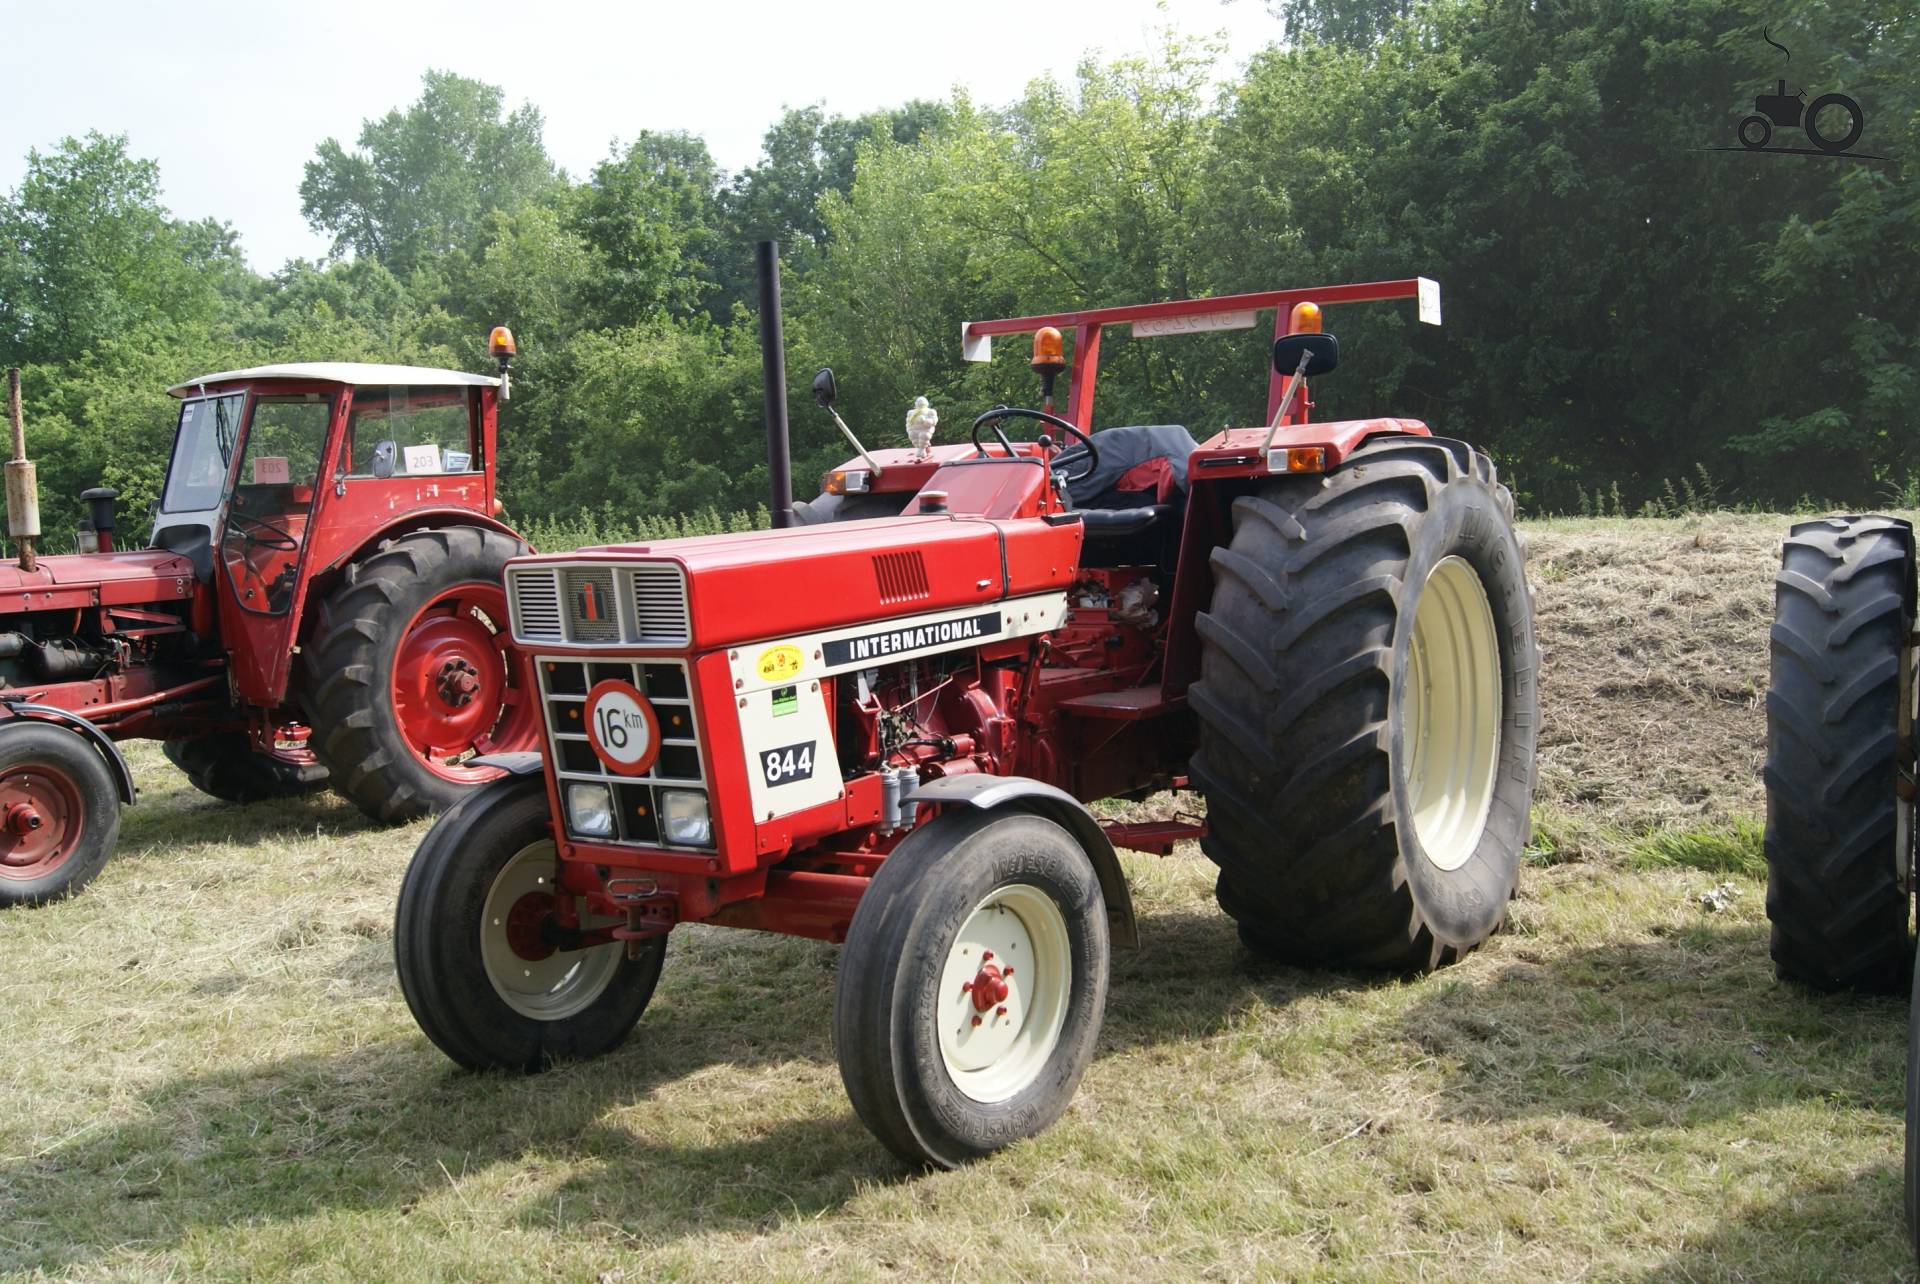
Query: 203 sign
(785,765)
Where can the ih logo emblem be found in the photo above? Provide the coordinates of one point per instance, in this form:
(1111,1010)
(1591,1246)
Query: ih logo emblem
(591,605)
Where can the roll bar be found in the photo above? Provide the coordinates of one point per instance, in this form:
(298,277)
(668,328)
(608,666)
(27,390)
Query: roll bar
(1223,312)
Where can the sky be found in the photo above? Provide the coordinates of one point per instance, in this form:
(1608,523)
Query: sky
(231,97)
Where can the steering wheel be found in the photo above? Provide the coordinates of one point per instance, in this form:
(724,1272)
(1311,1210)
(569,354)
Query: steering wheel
(277,538)
(998,413)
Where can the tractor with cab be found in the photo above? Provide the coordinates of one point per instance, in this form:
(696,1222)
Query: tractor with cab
(319,605)
(882,726)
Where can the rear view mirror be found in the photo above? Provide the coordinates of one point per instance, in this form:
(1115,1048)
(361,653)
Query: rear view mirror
(1321,351)
(824,389)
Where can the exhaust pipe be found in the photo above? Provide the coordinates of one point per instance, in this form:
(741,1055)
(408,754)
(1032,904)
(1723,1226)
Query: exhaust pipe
(23,491)
(773,374)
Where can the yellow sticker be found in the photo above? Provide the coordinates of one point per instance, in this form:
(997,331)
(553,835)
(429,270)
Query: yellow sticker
(777,662)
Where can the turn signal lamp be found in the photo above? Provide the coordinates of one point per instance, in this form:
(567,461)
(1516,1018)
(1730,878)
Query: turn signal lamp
(1298,459)
(1049,356)
(846,481)
(500,343)
(1305,319)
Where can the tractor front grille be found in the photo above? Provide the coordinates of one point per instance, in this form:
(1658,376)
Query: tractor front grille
(564,684)
(600,604)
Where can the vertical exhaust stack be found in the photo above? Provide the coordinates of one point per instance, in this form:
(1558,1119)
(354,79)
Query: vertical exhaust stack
(773,373)
(23,492)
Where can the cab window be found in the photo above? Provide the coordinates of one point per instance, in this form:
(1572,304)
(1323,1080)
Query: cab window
(412,432)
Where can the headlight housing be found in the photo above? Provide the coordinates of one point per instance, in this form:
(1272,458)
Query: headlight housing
(683,818)
(590,810)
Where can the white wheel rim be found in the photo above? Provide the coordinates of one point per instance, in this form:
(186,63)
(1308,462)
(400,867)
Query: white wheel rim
(1450,735)
(562,983)
(994,1052)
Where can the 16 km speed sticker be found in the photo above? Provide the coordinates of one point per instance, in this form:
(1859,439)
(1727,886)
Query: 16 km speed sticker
(786,765)
(622,728)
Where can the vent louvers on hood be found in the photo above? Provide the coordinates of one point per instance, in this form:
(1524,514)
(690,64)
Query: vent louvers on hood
(902,577)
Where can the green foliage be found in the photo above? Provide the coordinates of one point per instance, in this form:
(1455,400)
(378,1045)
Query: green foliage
(1635,324)
(421,180)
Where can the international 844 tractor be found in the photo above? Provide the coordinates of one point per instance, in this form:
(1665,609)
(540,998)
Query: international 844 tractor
(320,604)
(884,731)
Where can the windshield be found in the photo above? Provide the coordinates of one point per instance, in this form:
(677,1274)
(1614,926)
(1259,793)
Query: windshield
(202,451)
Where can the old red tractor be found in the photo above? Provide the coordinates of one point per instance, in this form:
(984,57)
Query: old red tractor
(320,604)
(883,731)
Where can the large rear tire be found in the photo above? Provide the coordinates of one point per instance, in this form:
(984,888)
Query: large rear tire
(1912,1182)
(409,674)
(59,812)
(478,970)
(226,766)
(1368,711)
(1842,623)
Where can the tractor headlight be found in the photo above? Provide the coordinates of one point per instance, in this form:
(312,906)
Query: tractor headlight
(684,819)
(590,811)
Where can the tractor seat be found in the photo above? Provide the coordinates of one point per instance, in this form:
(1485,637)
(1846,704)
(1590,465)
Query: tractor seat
(1140,485)
(1104,524)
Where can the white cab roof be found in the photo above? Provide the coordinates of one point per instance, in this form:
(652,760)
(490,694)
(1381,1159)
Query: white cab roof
(358,373)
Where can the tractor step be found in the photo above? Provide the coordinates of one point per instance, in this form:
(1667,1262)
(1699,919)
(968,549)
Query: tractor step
(1155,837)
(1125,705)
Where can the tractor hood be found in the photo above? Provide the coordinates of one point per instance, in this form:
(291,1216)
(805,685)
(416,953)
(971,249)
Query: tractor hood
(719,590)
(96,579)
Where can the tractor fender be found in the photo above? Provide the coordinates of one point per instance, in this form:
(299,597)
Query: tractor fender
(116,763)
(1020,793)
(425,519)
(520,762)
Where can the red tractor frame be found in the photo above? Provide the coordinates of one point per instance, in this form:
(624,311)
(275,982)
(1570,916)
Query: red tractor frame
(882,729)
(320,604)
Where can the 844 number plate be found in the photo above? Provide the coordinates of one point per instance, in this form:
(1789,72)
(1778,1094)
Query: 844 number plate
(785,765)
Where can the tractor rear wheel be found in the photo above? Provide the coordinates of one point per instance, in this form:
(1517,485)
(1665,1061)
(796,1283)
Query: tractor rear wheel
(1842,665)
(971,989)
(474,944)
(226,766)
(409,673)
(1367,709)
(59,812)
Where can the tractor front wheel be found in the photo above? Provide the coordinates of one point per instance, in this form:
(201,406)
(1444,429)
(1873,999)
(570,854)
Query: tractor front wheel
(483,959)
(409,674)
(972,986)
(1367,709)
(59,812)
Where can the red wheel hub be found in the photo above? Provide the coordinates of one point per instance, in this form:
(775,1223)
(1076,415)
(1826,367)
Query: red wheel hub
(524,921)
(454,692)
(988,986)
(41,820)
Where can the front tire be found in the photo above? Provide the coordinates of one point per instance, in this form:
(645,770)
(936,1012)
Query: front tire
(1367,710)
(476,971)
(410,673)
(1843,613)
(59,812)
(972,986)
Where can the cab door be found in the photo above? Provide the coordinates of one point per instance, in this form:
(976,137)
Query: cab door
(264,534)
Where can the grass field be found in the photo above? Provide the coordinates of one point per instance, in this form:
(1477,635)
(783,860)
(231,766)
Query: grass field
(209,1072)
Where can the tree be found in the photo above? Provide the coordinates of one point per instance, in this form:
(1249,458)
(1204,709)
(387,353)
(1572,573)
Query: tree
(422,180)
(87,251)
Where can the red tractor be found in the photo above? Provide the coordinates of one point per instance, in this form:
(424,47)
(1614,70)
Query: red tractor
(320,604)
(883,731)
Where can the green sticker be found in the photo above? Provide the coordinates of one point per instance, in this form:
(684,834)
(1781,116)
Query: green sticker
(786,700)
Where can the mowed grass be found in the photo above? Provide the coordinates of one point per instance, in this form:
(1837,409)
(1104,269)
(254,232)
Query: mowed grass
(208,1071)
(210,1074)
